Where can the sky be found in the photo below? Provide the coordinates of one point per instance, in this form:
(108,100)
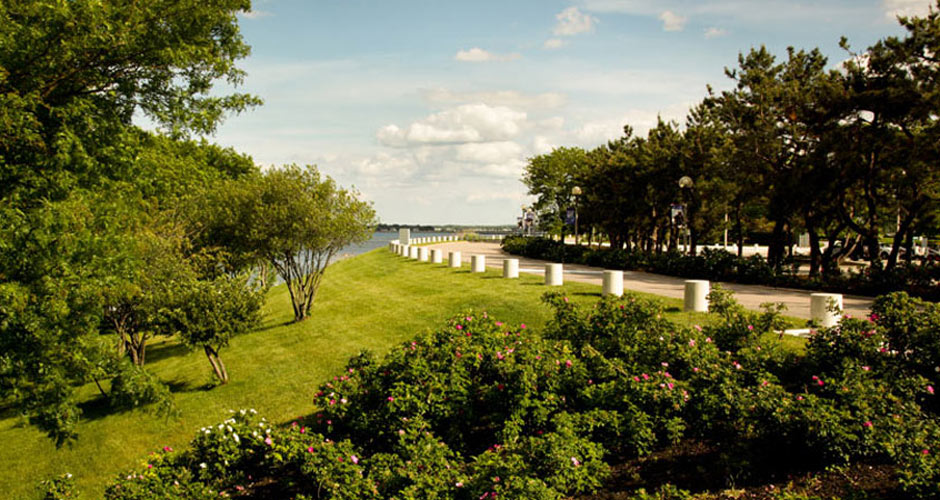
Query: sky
(431,108)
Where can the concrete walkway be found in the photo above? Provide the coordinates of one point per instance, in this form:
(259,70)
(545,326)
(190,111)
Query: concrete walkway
(750,296)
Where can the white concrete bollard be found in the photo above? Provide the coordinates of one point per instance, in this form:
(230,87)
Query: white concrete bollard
(453,259)
(696,296)
(437,256)
(613,283)
(819,308)
(477,263)
(423,254)
(413,252)
(404,236)
(403,250)
(554,275)
(511,268)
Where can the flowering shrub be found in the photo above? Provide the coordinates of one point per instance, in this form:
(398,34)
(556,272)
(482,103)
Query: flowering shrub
(484,410)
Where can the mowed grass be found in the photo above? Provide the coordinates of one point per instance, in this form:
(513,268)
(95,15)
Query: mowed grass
(372,301)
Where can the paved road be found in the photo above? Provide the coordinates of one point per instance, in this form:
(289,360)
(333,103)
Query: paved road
(750,296)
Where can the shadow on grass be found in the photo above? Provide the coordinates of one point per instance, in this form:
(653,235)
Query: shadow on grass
(164,351)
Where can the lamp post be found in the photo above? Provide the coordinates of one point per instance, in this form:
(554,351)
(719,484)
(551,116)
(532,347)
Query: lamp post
(685,182)
(576,191)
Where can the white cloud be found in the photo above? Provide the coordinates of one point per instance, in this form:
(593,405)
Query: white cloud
(486,196)
(465,123)
(907,8)
(554,43)
(672,21)
(489,152)
(571,21)
(754,13)
(542,145)
(714,32)
(477,54)
(509,98)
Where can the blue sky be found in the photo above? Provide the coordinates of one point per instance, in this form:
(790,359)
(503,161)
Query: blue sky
(431,108)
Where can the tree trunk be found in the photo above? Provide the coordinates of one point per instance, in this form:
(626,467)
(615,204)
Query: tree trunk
(216,363)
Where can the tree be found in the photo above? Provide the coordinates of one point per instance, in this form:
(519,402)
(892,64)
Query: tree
(211,312)
(292,218)
(72,75)
(551,176)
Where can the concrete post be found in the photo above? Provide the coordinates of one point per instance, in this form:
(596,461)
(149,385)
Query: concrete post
(613,283)
(413,252)
(511,268)
(696,293)
(437,256)
(403,249)
(423,254)
(404,236)
(453,259)
(554,275)
(819,308)
(477,263)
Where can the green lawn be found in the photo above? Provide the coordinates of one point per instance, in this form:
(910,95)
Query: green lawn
(372,301)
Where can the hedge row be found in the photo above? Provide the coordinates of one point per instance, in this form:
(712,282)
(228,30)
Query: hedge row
(720,265)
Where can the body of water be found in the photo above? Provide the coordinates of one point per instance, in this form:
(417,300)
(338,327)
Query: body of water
(381,239)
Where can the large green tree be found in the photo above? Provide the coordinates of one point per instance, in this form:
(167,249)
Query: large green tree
(294,219)
(73,76)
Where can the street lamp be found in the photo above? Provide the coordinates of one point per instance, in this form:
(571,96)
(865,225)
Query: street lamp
(685,182)
(576,191)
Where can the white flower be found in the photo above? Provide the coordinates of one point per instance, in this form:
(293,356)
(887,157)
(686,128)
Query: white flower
(235,437)
(252,410)
(202,465)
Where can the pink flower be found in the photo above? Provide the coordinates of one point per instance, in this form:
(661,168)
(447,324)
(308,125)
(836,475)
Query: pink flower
(799,398)
(645,376)
(670,386)
(636,379)
(667,375)
(568,363)
(665,364)
(498,323)
(499,355)
(332,402)
(820,382)
(566,300)
(168,449)
(354,459)
(268,441)
(925,451)
(695,369)
(691,343)
(390,399)
(697,327)
(459,484)
(459,327)
(339,459)
(930,389)
(310,449)
(867,423)
(872,317)
(575,462)
(459,355)
(708,339)
(150,466)
(522,326)
(750,327)
(866,368)
(303,430)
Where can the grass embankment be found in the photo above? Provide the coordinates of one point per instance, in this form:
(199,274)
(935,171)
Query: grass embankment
(368,302)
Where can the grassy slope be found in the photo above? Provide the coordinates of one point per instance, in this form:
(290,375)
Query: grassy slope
(372,301)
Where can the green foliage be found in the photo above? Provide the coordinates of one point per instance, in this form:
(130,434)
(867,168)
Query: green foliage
(209,313)
(719,265)
(291,218)
(133,387)
(59,488)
